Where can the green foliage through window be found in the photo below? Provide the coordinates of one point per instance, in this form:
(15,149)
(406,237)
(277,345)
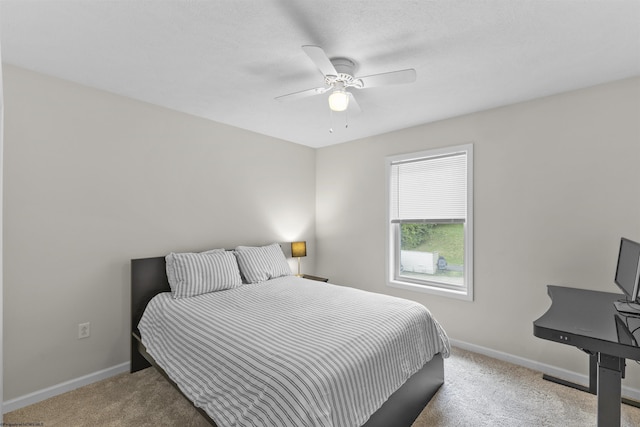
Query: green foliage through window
(414,235)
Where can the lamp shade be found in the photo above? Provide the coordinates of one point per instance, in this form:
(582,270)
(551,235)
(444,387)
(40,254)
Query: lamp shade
(338,100)
(298,249)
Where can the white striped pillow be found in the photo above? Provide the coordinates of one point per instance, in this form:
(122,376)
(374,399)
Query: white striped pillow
(192,274)
(169,260)
(258,264)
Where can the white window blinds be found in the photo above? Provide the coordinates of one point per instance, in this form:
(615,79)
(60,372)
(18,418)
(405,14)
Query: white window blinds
(431,189)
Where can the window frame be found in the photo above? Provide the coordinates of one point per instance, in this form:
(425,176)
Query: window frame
(393,236)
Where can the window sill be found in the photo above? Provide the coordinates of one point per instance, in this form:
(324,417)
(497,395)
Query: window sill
(435,290)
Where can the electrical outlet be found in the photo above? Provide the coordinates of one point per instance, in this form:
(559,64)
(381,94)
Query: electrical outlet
(84,330)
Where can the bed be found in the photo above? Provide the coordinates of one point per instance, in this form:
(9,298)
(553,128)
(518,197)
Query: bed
(272,351)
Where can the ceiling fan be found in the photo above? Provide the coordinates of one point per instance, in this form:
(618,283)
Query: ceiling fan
(338,77)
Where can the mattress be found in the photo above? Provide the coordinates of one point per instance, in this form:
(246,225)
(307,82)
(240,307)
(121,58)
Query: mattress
(290,351)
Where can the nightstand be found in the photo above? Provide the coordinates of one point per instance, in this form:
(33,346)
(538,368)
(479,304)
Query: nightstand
(310,277)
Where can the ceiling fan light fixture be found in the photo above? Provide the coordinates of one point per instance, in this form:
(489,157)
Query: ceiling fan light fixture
(338,100)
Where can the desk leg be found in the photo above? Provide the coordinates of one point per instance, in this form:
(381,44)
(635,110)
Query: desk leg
(610,370)
(593,377)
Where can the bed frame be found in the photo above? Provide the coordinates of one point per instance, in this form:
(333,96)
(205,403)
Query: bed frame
(149,278)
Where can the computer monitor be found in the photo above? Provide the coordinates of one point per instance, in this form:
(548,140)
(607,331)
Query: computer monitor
(628,275)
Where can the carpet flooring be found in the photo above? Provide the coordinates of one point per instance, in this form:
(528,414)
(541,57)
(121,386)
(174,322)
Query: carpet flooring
(478,391)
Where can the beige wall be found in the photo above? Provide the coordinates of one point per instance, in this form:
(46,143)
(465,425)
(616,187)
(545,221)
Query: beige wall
(556,186)
(93,180)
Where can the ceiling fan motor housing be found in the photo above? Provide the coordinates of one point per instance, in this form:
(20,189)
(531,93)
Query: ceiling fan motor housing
(346,69)
(344,66)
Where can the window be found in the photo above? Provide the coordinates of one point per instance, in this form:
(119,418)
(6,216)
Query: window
(430,221)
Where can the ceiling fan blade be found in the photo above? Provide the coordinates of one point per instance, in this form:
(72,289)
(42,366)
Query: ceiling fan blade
(354,107)
(320,58)
(391,78)
(302,94)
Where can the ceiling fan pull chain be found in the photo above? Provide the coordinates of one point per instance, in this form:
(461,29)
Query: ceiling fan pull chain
(330,121)
(346,119)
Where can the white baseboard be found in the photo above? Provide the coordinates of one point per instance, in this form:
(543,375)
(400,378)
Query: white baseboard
(574,377)
(40,395)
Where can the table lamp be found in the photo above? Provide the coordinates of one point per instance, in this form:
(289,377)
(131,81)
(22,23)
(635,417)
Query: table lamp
(298,249)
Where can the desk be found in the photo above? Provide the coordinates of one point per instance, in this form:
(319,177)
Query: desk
(588,320)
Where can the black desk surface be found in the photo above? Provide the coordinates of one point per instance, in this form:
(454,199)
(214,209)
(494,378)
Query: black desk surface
(588,320)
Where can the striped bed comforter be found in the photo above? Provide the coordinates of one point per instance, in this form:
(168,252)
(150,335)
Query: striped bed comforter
(290,351)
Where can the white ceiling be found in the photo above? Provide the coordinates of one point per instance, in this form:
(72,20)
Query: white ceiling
(226,60)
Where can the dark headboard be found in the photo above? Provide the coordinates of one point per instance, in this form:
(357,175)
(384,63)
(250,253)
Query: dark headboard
(148,279)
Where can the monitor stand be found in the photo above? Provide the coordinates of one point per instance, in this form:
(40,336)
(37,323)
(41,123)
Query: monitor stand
(627,307)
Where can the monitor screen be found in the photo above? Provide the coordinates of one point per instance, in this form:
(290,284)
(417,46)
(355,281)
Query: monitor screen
(628,269)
